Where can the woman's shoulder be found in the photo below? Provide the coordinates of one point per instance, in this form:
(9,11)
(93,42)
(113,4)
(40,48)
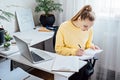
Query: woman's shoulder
(65,24)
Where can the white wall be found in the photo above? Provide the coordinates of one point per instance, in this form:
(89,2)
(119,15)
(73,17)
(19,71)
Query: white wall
(12,6)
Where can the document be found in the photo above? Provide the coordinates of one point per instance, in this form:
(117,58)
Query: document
(13,49)
(66,63)
(89,53)
(25,19)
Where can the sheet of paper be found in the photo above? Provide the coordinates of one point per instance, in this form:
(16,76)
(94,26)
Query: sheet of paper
(66,63)
(89,54)
(25,19)
(13,49)
(92,52)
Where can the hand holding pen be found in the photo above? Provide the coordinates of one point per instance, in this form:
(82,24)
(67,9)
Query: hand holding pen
(80,51)
(79,45)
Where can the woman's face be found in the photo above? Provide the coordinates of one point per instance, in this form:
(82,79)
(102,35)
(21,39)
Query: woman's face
(86,24)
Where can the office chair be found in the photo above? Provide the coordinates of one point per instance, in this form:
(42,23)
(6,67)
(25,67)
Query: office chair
(89,68)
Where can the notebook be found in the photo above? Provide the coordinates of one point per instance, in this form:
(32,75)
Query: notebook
(89,54)
(34,56)
(66,64)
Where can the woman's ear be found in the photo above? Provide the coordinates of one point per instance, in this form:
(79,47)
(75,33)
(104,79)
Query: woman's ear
(79,18)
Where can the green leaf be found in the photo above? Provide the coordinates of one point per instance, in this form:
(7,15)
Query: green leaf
(4,18)
(7,44)
(7,37)
(5,15)
(47,6)
(8,14)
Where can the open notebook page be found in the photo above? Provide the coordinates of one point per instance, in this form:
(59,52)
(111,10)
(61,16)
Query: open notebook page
(89,53)
(92,52)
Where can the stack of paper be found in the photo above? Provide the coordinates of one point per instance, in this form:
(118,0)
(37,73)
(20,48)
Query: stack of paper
(13,49)
(89,53)
(66,63)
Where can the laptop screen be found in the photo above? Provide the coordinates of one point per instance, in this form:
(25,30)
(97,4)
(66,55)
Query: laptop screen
(23,48)
(31,55)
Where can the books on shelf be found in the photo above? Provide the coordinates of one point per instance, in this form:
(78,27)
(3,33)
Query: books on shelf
(66,63)
(89,53)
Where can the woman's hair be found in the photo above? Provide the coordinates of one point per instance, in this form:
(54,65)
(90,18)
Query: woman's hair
(85,13)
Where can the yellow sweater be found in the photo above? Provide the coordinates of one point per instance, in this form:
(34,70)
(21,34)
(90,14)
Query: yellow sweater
(68,37)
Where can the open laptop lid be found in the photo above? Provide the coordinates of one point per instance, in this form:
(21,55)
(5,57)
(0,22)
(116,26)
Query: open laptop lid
(23,48)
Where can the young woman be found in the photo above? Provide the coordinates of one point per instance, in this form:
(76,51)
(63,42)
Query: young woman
(75,35)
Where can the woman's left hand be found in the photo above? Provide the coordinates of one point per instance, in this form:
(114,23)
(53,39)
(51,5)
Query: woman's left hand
(95,47)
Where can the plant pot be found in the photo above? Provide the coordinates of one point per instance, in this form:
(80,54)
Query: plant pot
(6,46)
(2,36)
(47,20)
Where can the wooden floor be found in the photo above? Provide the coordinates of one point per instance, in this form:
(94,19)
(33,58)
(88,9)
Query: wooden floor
(42,74)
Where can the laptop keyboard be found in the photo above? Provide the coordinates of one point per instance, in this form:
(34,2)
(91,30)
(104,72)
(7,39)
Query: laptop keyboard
(36,57)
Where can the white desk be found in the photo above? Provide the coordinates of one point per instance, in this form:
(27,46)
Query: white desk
(45,66)
(35,36)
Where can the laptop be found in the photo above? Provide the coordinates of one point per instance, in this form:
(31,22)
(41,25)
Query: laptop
(34,56)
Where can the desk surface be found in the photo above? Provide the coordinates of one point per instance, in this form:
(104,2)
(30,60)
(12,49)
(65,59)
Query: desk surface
(37,37)
(34,36)
(45,66)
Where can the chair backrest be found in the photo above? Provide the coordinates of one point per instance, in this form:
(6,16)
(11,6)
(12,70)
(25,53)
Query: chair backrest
(54,36)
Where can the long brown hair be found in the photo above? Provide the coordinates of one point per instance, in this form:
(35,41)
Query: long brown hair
(85,13)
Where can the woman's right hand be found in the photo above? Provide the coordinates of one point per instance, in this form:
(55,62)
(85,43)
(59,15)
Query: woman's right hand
(80,52)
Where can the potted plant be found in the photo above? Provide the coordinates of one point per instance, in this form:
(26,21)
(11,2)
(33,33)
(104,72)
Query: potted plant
(4,15)
(7,40)
(47,6)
